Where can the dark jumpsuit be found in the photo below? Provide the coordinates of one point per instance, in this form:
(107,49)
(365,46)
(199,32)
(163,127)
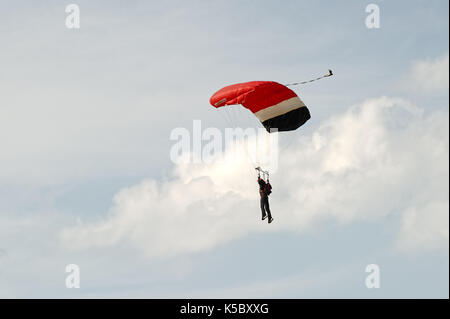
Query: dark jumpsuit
(264,199)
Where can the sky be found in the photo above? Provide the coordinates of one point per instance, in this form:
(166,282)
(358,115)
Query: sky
(86,176)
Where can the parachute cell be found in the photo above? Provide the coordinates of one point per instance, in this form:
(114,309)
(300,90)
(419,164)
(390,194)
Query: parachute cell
(275,105)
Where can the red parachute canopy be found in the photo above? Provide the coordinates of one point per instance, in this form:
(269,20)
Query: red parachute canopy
(276,106)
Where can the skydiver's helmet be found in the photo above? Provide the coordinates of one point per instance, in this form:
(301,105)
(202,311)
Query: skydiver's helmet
(262,183)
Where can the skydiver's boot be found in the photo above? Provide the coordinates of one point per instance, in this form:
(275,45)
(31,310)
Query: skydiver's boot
(264,217)
(270,220)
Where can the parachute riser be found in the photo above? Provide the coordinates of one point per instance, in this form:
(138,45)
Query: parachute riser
(265,173)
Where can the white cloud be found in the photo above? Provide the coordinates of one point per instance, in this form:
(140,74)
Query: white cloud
(429,75)
(425,227)
(379,158)
(300,285)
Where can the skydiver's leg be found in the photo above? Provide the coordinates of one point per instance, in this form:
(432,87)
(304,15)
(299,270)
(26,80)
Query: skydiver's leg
(266,204)
(262,208)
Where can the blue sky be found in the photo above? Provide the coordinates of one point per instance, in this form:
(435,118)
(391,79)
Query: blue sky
(86,178)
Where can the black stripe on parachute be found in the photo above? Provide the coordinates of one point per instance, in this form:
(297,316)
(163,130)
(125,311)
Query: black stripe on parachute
(288,121)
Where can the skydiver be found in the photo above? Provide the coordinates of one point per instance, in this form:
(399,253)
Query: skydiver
(264,191)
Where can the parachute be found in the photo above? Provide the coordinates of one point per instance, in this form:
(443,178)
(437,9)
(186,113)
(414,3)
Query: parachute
(276,106)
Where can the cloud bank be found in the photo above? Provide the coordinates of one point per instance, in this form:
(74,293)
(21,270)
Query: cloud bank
(379,158)
(430,75)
